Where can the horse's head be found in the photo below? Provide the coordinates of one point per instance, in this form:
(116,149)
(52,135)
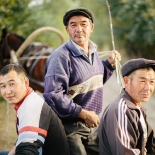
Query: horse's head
(9,41)
(4,49)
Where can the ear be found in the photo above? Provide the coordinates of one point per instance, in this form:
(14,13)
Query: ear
(92,27)
(26,80)
(126,80)
(66,29)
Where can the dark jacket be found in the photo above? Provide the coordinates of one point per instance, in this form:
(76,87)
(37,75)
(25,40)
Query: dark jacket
(120,131)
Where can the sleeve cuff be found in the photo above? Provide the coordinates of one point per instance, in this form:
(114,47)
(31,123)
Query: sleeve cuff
(109,65)
(77,111)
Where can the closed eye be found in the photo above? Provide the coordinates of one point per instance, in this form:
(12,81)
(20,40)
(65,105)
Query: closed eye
(2,86)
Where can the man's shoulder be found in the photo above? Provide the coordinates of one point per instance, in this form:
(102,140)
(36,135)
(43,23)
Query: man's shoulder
(33,100)
(115,105)
(62,51)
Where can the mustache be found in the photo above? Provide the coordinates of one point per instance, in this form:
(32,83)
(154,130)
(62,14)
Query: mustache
(79,34)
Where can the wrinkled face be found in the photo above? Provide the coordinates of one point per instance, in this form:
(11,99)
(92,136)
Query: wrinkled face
(140,85)
(13,87)
(79,29)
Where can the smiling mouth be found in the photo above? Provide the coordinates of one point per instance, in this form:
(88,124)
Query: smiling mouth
(146,96)
(10,98)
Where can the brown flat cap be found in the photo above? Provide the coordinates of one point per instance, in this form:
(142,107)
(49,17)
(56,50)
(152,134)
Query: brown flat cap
(78,11)
(135,64)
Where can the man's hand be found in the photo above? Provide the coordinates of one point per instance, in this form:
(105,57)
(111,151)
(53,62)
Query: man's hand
(12,151)
(112,55)
(90,118)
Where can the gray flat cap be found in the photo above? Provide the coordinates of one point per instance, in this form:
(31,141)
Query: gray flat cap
(135,64)
(78,11)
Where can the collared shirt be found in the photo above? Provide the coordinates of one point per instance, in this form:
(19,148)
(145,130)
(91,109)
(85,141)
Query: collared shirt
(92,49)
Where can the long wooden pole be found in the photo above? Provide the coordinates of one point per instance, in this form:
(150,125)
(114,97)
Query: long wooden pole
(117,64)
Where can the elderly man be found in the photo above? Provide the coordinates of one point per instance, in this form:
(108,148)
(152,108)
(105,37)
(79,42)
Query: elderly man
(74,82)
(40,131)
(124,129)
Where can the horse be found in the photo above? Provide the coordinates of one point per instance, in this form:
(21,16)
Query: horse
(33,57)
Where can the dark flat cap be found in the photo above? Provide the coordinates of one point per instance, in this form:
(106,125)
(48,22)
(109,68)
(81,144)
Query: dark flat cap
(78,11)
(135,64)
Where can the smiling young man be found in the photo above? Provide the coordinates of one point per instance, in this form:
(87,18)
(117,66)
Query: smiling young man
(40,131)
(74,82)
(124,129)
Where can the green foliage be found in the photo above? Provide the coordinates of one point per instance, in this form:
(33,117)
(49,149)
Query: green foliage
(134,23)
(13,13)
(1,99)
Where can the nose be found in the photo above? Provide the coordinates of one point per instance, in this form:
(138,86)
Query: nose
(147,86)
(79,28)
(8,90)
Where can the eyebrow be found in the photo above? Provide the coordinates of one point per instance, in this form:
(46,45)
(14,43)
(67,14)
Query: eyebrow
(84,21)
(145,78)
(8,81)
(141,77)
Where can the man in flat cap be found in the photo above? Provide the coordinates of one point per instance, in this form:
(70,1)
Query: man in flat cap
(74,82)
(123,129)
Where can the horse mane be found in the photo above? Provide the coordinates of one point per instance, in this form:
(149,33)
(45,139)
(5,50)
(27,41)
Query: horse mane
(4,32)
(18,36)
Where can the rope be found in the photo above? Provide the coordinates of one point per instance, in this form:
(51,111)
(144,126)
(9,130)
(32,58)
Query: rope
(33,57)
(101,55)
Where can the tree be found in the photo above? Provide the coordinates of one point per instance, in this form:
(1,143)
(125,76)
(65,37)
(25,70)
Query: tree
(13,13)
(134,26)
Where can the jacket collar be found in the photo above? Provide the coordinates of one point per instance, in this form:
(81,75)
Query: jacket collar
(129,100)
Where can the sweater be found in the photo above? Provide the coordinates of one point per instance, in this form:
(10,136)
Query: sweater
(73,83)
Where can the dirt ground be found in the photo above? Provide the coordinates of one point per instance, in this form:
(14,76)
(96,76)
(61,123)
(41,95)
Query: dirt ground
(7,126)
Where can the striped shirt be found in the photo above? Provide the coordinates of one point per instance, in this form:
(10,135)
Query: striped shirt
(39,129)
